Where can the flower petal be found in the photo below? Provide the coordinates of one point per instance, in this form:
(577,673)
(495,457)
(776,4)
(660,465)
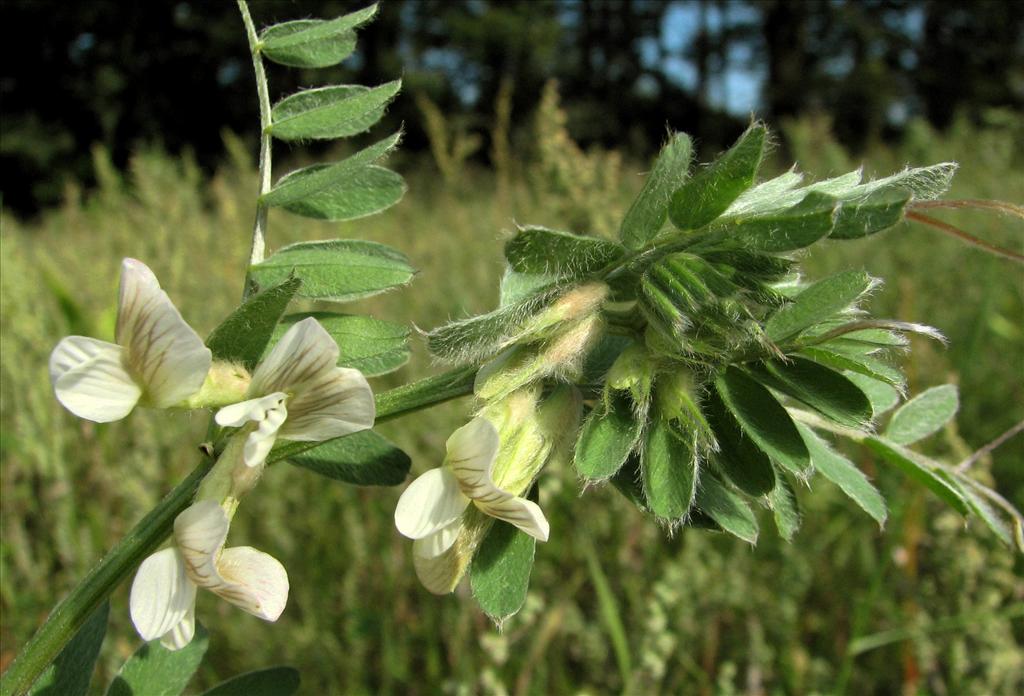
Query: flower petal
(435,544)
(90,380)
(336,403)
(237,415)
(181,635)
(200,532)
(269,411)
(248,578)
(520,512)
(471,453)
(163,352)
(261,441)
(162,597)
(437,567)
(430,503)
(254,581)
(305,352)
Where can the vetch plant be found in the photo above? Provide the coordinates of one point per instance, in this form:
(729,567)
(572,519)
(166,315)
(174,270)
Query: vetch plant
(687,362)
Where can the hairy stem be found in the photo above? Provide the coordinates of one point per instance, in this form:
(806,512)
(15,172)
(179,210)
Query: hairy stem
(68,616)
(259,231)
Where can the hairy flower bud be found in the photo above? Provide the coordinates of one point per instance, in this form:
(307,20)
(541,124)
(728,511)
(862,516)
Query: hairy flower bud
(633,371)
(577,303)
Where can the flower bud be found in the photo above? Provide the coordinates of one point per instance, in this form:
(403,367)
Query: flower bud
(560,357)
(677,400)
(576,304)
(633,371)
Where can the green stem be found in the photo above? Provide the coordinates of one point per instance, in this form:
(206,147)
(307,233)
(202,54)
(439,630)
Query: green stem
(65,620)
(259,232)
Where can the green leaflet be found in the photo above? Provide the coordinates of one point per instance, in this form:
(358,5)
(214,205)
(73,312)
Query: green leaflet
(818,303)
(878,211)
(648,212)
(861,364)
(763,419)
(738,457)
(826,391)
(313,43)
(785,510)
(882,396)
(331,112)
(340,270)
(785,230)
(923,415)
(921,470)
(372,346)
(343,195)
(273,681)
(289,189)
(538,250)
(767,195)
(516,286)
(500,572)
(781,192)
(727,509)
(842,472)
(992,519)
(607,439)
(244,335)
(156,671)
(670,468)
(70,673)
(924,183)
(485,335)
(362,459)
(709,193)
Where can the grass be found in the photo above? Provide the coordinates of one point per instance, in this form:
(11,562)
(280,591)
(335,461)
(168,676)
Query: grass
(615,606)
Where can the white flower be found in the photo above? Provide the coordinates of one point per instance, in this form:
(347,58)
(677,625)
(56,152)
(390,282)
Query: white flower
(299,393)
(430,509)
(163,595)
(158,359)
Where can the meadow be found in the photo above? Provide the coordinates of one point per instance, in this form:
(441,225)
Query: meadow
(616,606)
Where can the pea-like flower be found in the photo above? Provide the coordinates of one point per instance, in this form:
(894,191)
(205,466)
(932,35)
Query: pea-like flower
(430,509)
(299,393)
(158,359)
(163,594)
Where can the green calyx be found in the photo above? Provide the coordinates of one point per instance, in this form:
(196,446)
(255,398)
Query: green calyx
(226,383)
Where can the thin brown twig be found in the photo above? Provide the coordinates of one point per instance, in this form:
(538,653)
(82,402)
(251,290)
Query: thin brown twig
(966,464)
(965,237)
(1001,206)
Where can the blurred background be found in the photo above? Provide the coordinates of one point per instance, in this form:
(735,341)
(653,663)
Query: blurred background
(130,129)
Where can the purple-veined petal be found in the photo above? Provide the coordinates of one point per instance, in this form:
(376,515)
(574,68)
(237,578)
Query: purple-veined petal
(338,402)
(472,450)
(200,532)
(520,512)
(304,353)
(163,352)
